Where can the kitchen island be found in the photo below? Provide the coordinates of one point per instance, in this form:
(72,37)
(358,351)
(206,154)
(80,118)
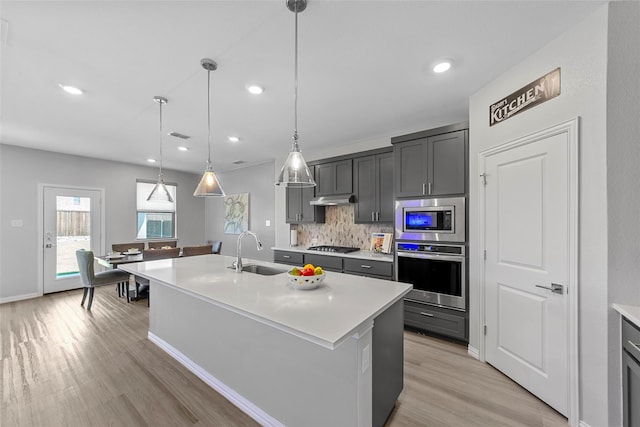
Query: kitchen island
(328,356)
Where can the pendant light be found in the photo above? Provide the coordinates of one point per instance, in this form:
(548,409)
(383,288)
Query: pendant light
(160,192)
(295,172)
(209,185)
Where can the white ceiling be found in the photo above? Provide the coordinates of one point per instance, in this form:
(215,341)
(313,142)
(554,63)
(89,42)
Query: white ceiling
(364,71)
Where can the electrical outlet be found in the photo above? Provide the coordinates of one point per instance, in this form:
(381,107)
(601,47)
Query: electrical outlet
(16,223)
(365,358)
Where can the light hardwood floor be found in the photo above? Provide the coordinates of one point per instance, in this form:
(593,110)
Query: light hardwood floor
(64,366)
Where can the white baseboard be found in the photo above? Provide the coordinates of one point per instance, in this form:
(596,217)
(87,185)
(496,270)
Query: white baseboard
(473,352)
(231,395)
(19,298)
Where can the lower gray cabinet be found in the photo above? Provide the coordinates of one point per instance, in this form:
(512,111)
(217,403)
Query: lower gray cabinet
(363,267)
(291,258)
(630,374)
(450,323)
(329,263)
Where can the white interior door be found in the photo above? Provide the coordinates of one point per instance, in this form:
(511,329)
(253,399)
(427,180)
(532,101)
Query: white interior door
(527,226)
(72,220)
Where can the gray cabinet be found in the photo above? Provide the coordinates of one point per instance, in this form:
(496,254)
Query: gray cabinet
(442,321)
(329,263)
(286,257)
(430,165)
(630,374)
(334,178)
(299,210)
(373,187)
(369,268)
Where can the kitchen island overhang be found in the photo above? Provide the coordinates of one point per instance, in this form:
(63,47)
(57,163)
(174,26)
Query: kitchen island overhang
(284,356)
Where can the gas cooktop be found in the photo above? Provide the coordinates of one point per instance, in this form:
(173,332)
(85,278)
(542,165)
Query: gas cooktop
(337,249)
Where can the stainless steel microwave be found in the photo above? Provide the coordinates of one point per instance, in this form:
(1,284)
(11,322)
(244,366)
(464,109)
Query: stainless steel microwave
(440,220)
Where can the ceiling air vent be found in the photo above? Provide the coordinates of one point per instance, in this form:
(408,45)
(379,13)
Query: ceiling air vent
(179,135)
(238,162)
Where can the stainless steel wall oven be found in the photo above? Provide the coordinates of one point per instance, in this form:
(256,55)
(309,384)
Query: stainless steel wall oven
(430,250)
(437,273)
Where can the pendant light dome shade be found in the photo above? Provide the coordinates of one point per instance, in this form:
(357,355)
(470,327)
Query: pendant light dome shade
(160,192)
(209,185)
(295,172)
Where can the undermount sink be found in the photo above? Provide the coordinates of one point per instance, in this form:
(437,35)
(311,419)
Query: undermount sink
(261,269)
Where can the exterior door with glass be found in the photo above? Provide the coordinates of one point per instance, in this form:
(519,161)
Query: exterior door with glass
(72,220)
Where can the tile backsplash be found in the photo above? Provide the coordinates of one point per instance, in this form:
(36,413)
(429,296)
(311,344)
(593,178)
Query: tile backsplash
(339,229)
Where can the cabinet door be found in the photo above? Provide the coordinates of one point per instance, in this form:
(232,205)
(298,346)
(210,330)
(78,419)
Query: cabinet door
(384,181)
(630,390)
(410,168)
(364,183)
(294,200)
(334,178)
(310,213)
(325,179)
(447,163)
(343,177)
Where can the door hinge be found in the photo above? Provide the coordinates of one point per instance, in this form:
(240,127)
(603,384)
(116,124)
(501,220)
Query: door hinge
(485,329)
(484,178)
(485,254)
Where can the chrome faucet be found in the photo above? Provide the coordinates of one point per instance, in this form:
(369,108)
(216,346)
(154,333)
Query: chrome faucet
(238,262)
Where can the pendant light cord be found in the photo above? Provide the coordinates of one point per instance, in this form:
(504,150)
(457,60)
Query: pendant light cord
(209,115)
(295,84)
(160,138)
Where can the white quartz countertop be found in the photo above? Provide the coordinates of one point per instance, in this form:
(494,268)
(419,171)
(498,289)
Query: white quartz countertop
(328,315)
(369,255)
(631,312)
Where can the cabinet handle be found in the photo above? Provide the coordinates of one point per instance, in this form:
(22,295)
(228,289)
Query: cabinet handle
(286,256)
(372,216)
(377,216)
(429,188)
(426,314)
(365,266)
(424,190)
(634,345)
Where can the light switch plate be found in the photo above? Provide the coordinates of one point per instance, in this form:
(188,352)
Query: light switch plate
(267,223)
(16,223)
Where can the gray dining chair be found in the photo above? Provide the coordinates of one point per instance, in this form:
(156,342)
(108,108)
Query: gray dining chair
(90,279)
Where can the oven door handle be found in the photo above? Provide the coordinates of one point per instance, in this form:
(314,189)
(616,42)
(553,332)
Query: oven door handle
(431,256)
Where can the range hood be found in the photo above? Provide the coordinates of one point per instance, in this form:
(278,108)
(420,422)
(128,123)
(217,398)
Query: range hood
(338,199)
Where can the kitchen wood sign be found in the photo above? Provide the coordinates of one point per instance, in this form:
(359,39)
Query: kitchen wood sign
(536,92)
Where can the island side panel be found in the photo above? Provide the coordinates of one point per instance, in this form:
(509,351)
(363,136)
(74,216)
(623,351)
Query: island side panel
(293,380)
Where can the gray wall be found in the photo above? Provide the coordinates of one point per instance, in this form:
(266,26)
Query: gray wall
(582,53)
(22,169)
(623,176)
(258,182)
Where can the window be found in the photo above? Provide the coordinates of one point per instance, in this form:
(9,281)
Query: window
(155,220)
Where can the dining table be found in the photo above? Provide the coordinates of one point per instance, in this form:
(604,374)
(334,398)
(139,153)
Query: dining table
(113,261)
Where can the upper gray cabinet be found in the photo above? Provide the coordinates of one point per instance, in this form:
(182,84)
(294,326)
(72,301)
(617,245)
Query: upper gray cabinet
(431,163)
(299,210)
(373,187)
(334,178)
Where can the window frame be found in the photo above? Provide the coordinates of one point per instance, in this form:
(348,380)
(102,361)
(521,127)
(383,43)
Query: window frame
(139,211)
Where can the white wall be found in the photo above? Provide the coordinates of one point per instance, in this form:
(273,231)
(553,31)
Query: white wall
(22,169)
(581,53)
(258,182)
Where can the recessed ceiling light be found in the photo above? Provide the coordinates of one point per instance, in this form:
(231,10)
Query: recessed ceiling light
(151,160)
(71,89)
(442,67)
(255,89)
(183,148)
(233,139)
